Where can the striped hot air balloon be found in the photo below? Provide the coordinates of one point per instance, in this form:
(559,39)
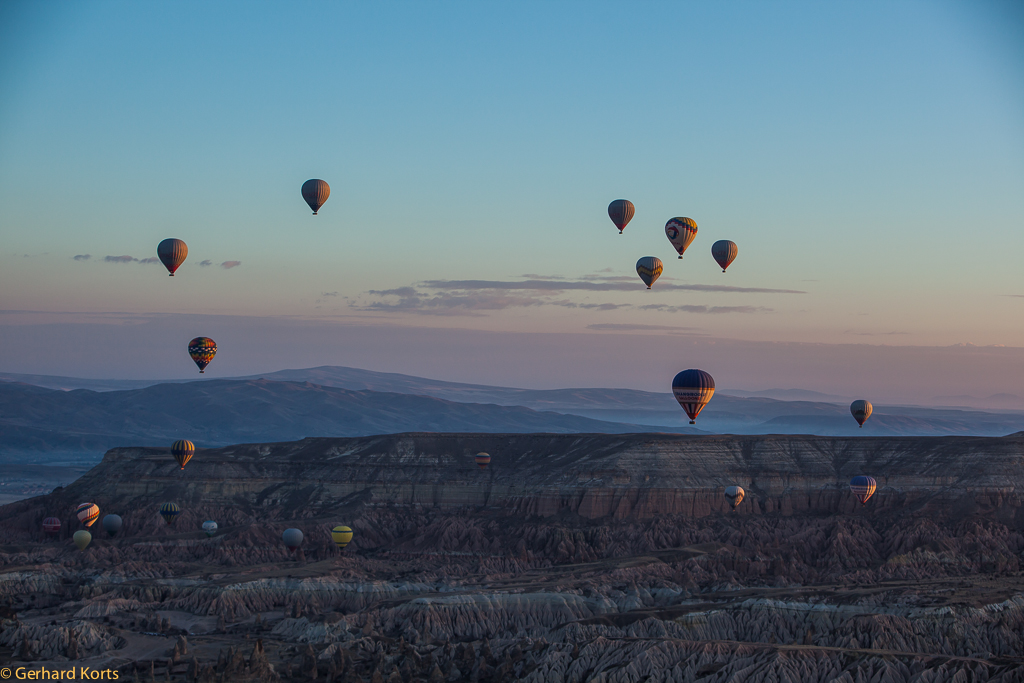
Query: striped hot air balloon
(315,192)
(621,212)
(693,389)
(649,269)
(51,526)
(863,487)
(724,252)
(861,411)
(170,512)
(735,494)
(88,513)
(341,535)
(183,450)
(483,460)
(680,232)
(172,253)
(202,350)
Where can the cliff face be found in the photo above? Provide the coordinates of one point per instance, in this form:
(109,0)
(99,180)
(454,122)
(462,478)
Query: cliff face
(570,558)
(595,476)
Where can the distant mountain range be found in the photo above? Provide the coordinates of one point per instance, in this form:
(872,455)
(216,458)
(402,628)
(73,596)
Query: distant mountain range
(223,412)
(92,415)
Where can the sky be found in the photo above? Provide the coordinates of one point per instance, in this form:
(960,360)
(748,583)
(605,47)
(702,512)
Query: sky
(866,157)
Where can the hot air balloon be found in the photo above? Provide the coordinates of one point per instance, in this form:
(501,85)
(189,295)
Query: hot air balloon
(183,451)
(863,487)
(724,251)
(51,526)
(621,212)
(87,513)
(315,192)
(693,389)
(483,460)
(680,232)
(210,527)
(82,539)
(172,253)
(734,494)
(292,539)
(169,511)
(112,524)
(202,350)
(341,535)
(861,411)
(649,269)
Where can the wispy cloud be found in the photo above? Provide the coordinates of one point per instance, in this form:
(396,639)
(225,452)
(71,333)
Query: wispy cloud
(83,257)
(665,308)
(611,284)
(228,265)
(151,259)
(329,294)
(206,263)
(1014,296)
(119,259)
(637,327)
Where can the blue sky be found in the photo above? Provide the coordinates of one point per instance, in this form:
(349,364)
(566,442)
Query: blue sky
(869,156)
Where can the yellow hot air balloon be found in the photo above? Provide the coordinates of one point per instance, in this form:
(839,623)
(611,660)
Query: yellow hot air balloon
(82,539)
(183,451)
(649,269)
(341,535)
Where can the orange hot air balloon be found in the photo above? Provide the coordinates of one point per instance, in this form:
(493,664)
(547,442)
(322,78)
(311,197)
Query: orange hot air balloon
(183,450)
(483,460)
(863,487)
(202,350)
(88,513)
(621,212)
(735,495)
(724,252)
(172,253)
(315,192)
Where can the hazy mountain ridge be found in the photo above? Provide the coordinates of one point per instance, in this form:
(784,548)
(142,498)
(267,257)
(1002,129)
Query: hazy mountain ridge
(220,412)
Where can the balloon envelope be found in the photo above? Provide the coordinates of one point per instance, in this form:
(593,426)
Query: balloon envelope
(210,527)
(82,539)
(693,389)
(724,251)
(170,512)
(292,538)
(861,411)
(735,494)
(315,192)
(483,460)
(87,513)
(341,535)
(183,451)
(112,524)
(202,350)
(621,212)
(172,253)
(51,525)
(863,487)
(680,232)
(649,269)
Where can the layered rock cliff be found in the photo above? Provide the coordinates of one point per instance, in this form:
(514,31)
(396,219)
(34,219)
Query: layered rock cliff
(571,557)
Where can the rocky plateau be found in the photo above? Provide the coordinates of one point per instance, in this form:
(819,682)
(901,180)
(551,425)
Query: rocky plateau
(572,557)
